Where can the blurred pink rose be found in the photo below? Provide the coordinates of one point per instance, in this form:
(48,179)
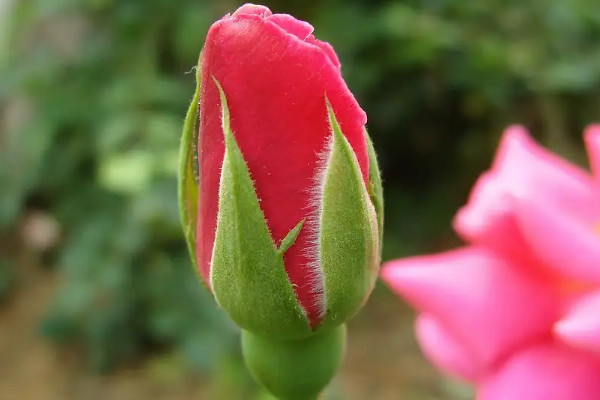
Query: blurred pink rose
(517,310)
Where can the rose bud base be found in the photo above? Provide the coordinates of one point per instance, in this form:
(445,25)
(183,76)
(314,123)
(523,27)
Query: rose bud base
(294,369)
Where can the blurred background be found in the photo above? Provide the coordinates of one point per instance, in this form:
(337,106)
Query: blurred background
(97,297)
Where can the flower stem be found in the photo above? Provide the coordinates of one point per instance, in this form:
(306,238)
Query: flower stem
(295,369)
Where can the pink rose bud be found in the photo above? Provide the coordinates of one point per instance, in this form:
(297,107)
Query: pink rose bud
(517,311)
(280,190)
(280,195)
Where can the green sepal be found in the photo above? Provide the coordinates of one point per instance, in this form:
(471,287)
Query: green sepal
(375,188)
(248,277)
(188,191)
(349,241)
(290,238)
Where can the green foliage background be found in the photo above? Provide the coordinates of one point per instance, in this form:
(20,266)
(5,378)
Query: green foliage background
(92,99)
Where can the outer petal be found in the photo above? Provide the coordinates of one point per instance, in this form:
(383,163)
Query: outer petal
(300,29)
(489,219)
(276,85)
(565,244)
(252,9)
(487,304)
(446,351)
(525,171)
(592,142)
(327,49)
(545,372)
(581,326)
(529,171)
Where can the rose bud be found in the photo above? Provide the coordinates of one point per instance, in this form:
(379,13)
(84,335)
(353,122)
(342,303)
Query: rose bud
(279,185)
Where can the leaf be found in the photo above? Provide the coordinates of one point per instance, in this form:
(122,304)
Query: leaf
(248,276)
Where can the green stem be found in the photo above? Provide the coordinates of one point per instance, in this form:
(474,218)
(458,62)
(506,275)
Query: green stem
(295,369)
(298,398)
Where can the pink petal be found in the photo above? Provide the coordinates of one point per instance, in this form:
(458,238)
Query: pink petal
(529,171)
(444,350)
(545,372)
(327,49)
(581,326)
(592,142)
(523,170)
(485,302)
(565,244)
(252,9)
(489,218)
(298,28)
